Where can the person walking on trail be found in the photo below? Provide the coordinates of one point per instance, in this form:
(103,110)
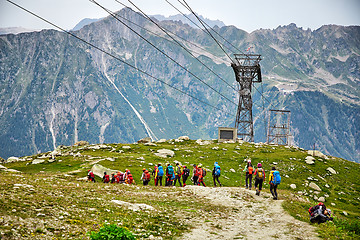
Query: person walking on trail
(106,178)
(129,177)
(91,176)
(274,181)
(201,174)
(159,175)
(195,175)
(154,173)
(249,174)
(121,177)
(145,177)
(186,173)
(320,214)
(169,174)
(216,173)
(113,179)
(178,173)
(259,178)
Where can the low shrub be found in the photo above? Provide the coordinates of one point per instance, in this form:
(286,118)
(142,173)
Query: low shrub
(112,232)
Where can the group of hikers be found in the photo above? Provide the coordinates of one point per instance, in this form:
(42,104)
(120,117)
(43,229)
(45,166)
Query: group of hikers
(179,174)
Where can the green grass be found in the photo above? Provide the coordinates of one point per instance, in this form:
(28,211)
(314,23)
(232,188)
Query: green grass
(80,207)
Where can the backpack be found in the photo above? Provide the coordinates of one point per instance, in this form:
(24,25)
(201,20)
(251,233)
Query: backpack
(203,172)
(259,173)
(250,169)
(147,175)
(217,170)
(121,177)
(186,172)
(170,170)
(277,178)
(161,171)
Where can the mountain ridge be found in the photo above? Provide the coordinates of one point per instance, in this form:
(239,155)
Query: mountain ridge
(74,85)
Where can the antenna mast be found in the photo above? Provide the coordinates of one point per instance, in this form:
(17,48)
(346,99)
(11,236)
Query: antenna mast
(247,71)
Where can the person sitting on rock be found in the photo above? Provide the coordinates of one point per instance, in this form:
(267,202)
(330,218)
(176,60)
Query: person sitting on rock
(91,176)
(320,214)
(106,178)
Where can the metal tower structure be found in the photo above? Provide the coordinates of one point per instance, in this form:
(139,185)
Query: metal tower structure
(279,127)
(247,71)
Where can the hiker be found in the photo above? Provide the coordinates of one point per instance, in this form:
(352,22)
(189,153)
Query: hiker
(201,174)
(120,177)
(274,181)
(91,176)
(195,175)
(178,173)
(154,173)
(159,175)
(259,178)
(112,178)
(186,173)
(216,173)
(249,173)
(145,177)
(320,214)
(169,174)
(106,178)
(128,177)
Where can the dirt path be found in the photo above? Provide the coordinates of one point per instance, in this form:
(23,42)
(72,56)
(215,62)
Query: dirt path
(253,217)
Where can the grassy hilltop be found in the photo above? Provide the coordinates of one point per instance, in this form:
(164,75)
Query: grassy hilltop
(49,201)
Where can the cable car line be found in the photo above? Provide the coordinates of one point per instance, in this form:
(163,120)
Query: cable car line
(182,46)
(201,27)
(208,31)
(117,58)
(114,16)
(192,43)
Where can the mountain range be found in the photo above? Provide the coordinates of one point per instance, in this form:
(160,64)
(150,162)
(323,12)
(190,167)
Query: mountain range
(57,90)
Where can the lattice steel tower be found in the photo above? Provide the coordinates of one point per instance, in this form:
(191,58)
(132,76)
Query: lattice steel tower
(279,127)
(247,70)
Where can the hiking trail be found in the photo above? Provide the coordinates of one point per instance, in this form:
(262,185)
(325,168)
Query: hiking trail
(253,217)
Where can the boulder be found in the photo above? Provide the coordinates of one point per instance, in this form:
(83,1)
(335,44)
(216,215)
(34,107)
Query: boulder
(145,140)
(99,170)
(314,186)
(161,141)
(81,143)
(12,159)
(232,170)
(321,199)
(164,153)
(203,142)
(184,138)
(310,160)
(316,153)
(37,161)
(331,170)
(293,186)
(126,147)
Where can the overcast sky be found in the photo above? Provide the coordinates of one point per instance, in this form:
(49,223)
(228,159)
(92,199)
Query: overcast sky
(248,15)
